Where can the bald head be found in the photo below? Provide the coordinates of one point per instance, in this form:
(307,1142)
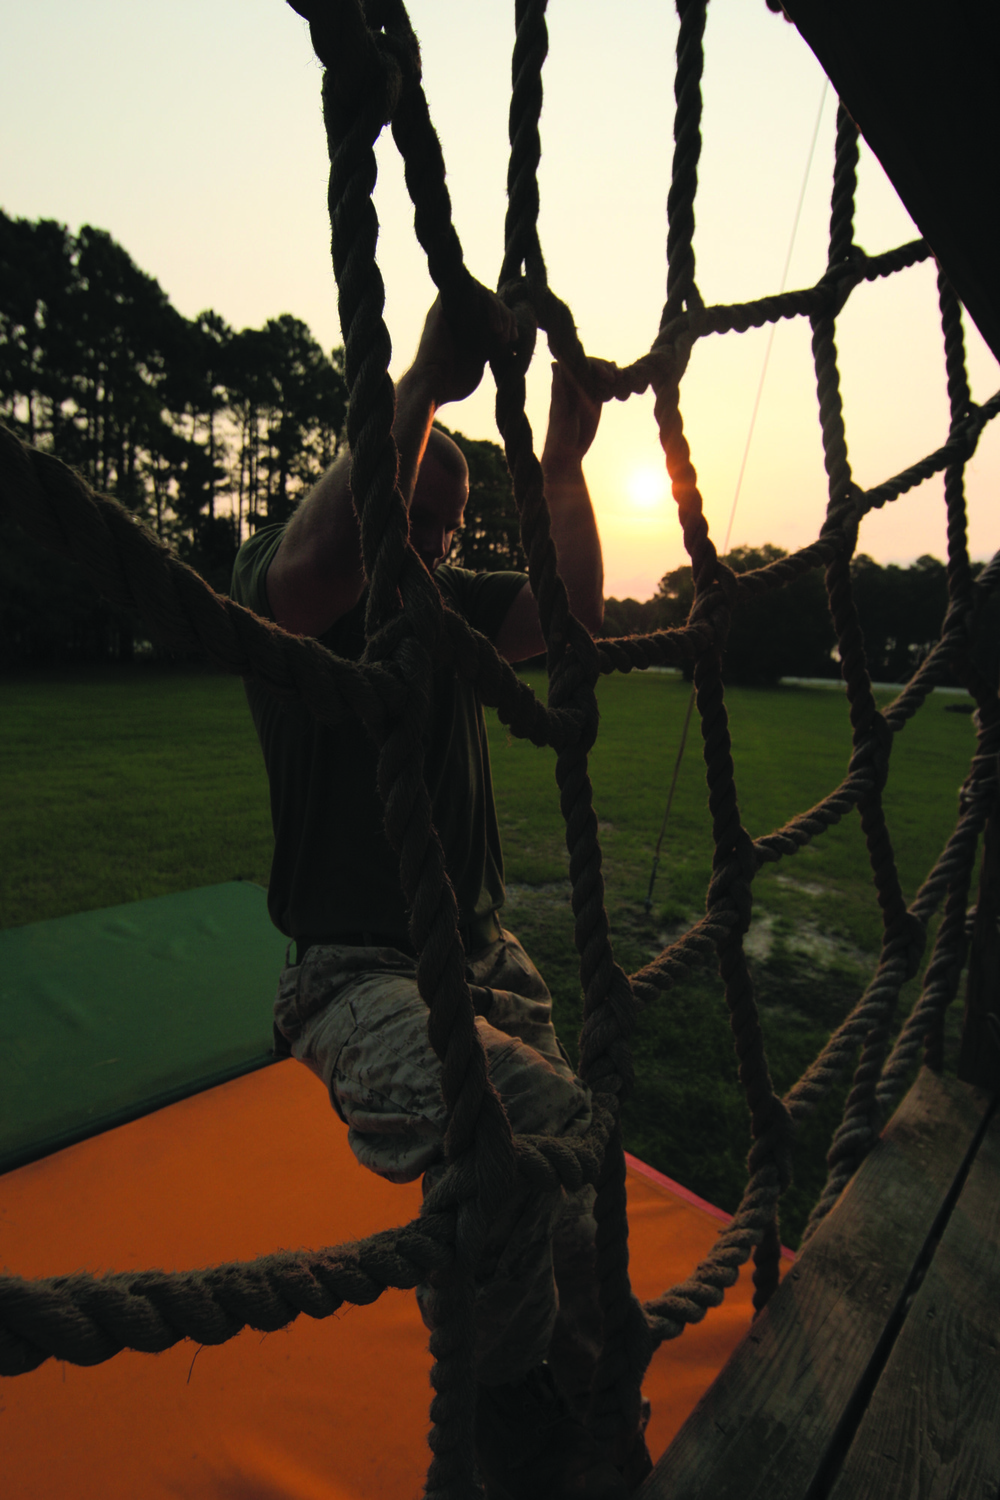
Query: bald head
(448,457)
(439,499)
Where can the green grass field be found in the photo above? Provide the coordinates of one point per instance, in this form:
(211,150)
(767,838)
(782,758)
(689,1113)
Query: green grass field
(123,785)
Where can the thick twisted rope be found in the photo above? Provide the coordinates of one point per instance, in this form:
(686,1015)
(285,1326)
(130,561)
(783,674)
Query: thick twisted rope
(825,297)
(372,79)
(477,1127)
(871,735)
(85,1319)
(609,1007)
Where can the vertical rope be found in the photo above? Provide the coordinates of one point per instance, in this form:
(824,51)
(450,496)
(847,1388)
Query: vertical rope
(521,246)
(960,403)
(943,972)
(872,738)
(478,1136)
(733,860)
(609,1006)
(845,185)
(681,290)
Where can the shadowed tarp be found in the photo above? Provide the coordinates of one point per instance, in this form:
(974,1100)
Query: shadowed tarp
(108,1014)
(333,1410)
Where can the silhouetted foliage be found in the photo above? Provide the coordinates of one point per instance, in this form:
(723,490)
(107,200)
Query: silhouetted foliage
(50,614)
(206,432)
(490,536)
(201,430)
(788,631)
(630,617)
(901,612)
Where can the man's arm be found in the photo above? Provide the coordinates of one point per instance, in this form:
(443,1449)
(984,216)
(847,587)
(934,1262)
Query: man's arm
(573,419)
(317,573)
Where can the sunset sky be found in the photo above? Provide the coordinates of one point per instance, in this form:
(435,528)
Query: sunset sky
(194,136)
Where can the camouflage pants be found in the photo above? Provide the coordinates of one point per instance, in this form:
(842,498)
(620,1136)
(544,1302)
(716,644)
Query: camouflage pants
(355,1017)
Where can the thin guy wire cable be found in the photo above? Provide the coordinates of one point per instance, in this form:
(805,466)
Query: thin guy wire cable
(773,328)
(648,904)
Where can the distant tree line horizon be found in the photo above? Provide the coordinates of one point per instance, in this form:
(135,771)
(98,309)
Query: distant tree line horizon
(206,432)
(202,430)
(789,632)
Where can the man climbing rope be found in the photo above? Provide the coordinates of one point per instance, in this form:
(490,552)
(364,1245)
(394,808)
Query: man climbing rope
(349,1006)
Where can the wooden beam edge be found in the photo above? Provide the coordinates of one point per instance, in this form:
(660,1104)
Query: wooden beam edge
(700,1454)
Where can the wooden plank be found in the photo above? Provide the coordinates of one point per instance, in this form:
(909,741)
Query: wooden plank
(932,1427)
(768,1423)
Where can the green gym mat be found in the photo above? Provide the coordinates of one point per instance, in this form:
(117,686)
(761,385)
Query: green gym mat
(106,1015)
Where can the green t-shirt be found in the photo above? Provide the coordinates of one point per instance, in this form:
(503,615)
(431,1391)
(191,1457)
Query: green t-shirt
(333,869)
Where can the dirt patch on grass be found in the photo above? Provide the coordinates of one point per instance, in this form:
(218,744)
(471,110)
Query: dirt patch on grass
(807,887)
(548,896)
(757,943)
(808,972)
(805,940)
(523,889)
(800,972)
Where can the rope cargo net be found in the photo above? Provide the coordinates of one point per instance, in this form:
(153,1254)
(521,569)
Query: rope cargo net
(373,79)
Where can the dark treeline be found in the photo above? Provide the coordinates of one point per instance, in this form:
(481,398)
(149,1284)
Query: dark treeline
(206,432)
(490,536)
(789,633)
(202,430)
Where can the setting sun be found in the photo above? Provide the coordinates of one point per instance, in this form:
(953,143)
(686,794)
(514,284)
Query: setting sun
(647,488)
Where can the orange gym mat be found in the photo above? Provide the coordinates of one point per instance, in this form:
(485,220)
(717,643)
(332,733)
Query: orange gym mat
(333,1410)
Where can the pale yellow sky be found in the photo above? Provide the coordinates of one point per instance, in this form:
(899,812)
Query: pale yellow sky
(194,136)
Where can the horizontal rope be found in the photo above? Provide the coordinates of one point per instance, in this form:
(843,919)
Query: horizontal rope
(85,1320)
(738,317)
